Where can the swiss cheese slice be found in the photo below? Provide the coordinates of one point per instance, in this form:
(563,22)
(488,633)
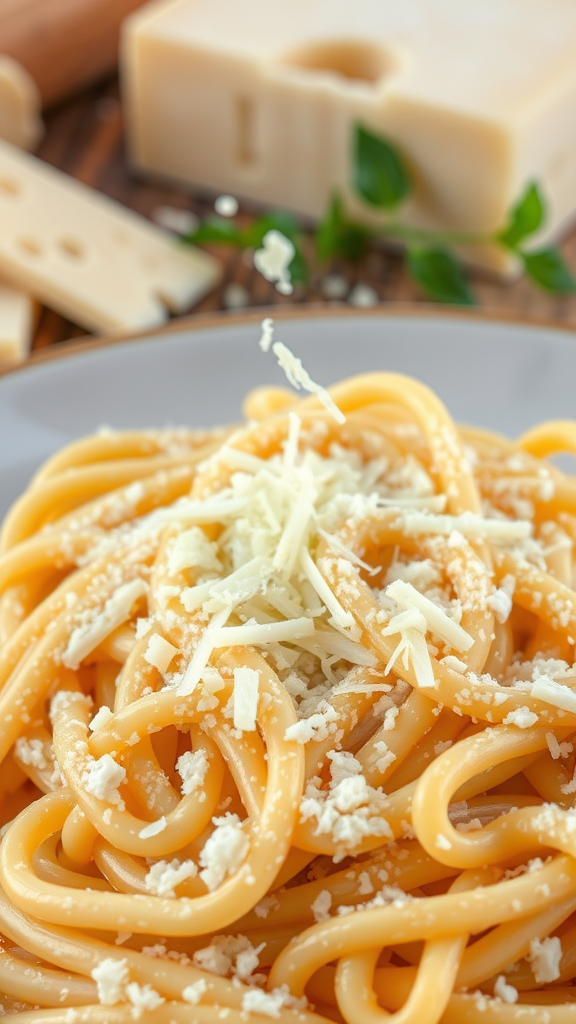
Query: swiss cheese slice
(88,257)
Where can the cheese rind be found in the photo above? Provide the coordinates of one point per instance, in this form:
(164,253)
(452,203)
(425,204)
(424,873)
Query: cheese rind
(259,99)
(88,257)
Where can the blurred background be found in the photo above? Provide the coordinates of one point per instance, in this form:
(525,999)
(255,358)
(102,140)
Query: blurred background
(236,124)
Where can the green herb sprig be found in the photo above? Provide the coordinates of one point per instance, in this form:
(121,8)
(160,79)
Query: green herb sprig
(382,180)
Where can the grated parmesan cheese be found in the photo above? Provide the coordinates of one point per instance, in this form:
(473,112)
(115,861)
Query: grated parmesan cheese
(159,653)
(192,767)
(164,876)
(321,906)
(544,958)
(406,597)
(110,976)
(246,681)
(507,993)
(102,779)
(551,692)
(153,829)
(143,997)
(85,638)
(101,718)
(224,850)
(521,717)
(270,1004)
(193,993)
(295,372)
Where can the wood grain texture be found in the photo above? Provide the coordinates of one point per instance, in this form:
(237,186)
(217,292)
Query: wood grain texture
(84,138)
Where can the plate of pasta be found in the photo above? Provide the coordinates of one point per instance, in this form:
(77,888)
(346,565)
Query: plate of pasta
(288,697)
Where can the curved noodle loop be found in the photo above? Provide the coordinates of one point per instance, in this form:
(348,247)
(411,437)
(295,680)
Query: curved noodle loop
(287,721)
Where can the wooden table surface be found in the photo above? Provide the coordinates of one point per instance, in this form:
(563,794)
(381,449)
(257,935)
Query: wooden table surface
(84,137)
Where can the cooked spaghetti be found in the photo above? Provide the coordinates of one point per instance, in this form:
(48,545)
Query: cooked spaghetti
(287,719)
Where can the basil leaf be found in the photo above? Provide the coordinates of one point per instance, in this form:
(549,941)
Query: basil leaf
(380,176)
(278,220)
(216,230)
(440,275)
(548,270)
(525,218)
(338,236)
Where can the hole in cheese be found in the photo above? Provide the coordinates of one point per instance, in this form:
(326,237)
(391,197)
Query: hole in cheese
(31,246)
(353,60)
(9,186)
(72,247)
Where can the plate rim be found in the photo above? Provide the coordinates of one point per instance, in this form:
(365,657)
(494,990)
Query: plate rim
(206,321)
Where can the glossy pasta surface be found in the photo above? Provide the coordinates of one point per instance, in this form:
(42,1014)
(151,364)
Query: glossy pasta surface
(287,719)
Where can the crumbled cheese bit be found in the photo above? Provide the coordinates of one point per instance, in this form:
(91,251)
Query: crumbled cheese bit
(101,718)
(102,779)
(521,717)
(406,596)
(224,850)
(143,997)
(545,957)
(501,600)
(192,549)
(551,692)
(226,206)
(85,638)
(192,767)
(246,682)
(316,727)
(193,993)
(266,904)
(110,976)
(321,906)
(269,1004)
(164,876)
(274,258)
(507,993)
(153,829)
(159,653)
(229,954)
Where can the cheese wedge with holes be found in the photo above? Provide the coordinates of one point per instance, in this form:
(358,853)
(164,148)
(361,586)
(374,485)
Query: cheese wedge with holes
(16,325)
(88,257)
(259,99)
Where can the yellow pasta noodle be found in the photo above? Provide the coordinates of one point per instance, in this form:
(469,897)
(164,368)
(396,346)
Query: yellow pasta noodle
(287,720)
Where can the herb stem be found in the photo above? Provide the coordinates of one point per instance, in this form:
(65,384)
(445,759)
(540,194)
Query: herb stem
(411,234)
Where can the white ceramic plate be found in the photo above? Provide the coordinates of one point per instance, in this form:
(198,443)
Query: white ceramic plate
(505,376)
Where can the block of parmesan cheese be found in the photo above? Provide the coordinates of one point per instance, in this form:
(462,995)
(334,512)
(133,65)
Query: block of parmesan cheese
(16,325)
(88,257)
(258,99)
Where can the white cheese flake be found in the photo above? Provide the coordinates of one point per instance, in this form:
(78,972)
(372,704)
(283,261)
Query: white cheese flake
(193,993)
(406,597)
(246,682)
(522,717)
(551,692)
(159,653)
(192,767)
(111,977)
(163,877)
(153,829)
(102,779)
(224,850)
(544,958)
(507,993)
(85,638)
